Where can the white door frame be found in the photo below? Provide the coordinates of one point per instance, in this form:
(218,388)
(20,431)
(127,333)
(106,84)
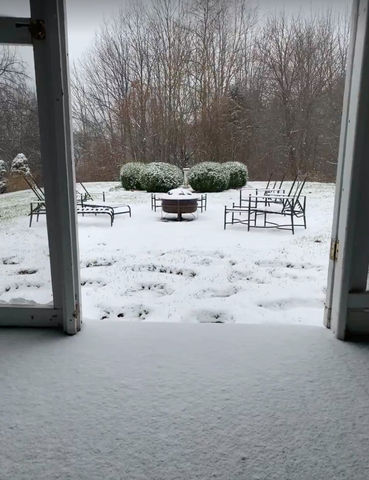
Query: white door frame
(46,32)
(347,303)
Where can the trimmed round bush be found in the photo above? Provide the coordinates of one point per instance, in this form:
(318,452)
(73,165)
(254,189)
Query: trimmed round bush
(238,174)
(160,177)
(209,177)
(130,175)
(20,165)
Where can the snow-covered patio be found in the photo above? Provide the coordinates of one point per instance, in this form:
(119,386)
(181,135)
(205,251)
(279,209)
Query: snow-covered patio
(143,269)
(183,402)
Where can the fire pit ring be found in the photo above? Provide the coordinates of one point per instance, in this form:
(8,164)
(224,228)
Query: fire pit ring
(179,202)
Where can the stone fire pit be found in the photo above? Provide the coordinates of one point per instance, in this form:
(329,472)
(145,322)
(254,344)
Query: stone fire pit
(178,202)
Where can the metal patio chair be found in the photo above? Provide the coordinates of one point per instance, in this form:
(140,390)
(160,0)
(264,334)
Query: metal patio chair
(291,206)
(270,189)
(38,207)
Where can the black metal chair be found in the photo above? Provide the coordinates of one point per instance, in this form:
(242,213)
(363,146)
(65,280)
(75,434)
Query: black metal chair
(291,206)
(85,195)
(269,189)
(39,207)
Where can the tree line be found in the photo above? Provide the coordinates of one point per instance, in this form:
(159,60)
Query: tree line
(198,80)
(185,82)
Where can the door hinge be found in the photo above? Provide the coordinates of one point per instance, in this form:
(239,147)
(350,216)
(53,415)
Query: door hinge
(36,28)
(335,244)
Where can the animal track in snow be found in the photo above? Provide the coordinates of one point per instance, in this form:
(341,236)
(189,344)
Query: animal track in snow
(87,283)
(239,275)
(217,292)
(99,263)
(16,286)
(163,269)
(287,264)
(9,261)
(212,316)
(27,271)
(291,303)
(160,289)
(129,312)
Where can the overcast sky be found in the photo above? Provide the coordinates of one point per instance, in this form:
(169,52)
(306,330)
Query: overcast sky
(85,16)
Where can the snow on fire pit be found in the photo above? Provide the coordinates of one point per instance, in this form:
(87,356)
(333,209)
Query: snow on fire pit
(179,201)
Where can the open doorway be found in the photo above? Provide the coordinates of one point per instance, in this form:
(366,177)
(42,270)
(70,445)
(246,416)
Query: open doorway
(191,89)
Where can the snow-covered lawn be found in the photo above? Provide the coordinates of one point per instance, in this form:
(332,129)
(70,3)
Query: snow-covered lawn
(143,269)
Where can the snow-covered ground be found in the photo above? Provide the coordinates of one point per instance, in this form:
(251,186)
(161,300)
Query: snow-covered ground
(143,269)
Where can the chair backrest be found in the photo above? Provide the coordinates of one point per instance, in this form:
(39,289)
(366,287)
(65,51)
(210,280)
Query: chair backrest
(280,185)
(269,180)
(301,186)
(291,190)
(297,187)
(88,196)
(275,187)
(35,188)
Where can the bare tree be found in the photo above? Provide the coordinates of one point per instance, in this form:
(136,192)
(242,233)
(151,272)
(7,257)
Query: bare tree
(18,111)
(186,81)
(303,62)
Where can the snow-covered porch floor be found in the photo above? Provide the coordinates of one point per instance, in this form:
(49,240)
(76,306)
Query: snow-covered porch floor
(145,401)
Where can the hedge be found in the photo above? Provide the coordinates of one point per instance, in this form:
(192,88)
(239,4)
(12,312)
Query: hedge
(238,174)
(160,177)
(130,175)
(209,177)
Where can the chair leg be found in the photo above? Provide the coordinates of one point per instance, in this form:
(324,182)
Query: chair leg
(292,223)
(30,215)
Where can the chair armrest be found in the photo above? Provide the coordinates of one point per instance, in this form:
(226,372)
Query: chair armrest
(268,197)
(277,190)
